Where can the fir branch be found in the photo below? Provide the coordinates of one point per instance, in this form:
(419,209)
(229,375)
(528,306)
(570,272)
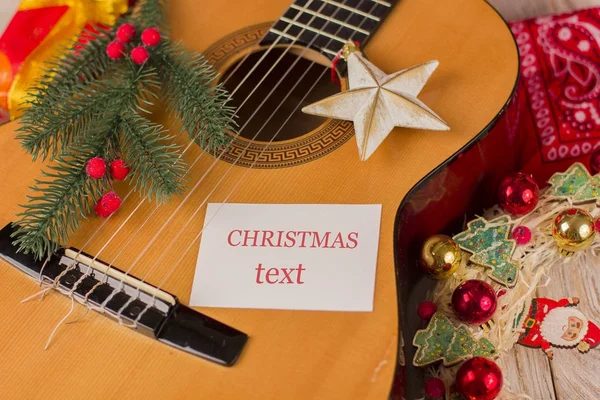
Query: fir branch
(73,65)
(66,193)
(151,13)
(65,75)
(63,195)
(157,165)
(80,109)
(88,105)
(202,108)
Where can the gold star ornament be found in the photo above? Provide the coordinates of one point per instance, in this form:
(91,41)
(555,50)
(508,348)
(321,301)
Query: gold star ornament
(377,102)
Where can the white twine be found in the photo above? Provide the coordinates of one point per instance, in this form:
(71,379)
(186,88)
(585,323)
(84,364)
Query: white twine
(536,258)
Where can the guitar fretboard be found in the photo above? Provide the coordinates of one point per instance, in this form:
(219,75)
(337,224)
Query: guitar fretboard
(327,25)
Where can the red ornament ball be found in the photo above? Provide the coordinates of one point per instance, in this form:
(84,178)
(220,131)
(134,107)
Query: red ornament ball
(115,50)
(595,161)
(426,309)
(95,167)
(108,204)
(126,33)
(521,234)
(518,194)
(479,379)
(474,302)
(119,170)
(435,388)
(597,225)
(151,37)
(139,55)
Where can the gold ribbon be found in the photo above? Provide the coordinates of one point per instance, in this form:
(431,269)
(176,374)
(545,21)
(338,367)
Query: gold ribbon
(68,28)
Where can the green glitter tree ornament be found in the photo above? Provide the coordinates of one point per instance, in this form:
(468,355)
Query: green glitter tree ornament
(575,183)
(491,247)
(442,341)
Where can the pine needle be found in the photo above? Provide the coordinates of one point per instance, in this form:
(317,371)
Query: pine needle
(87,105)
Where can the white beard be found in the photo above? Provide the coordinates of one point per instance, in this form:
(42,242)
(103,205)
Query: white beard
(555,324)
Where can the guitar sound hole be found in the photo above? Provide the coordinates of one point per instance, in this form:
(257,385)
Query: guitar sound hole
(285,101)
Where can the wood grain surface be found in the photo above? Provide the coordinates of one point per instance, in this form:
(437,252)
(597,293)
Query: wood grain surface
(570,375)
(514,10)
(575,374)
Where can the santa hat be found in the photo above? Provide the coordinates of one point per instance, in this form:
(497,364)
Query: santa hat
(593,335)
(556,322)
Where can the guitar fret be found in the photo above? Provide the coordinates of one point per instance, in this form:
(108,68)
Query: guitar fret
(326,25)
(352,9)
(310,28)
(330,19)
(293,38)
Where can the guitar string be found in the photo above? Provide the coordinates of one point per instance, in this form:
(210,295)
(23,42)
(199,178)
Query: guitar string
(224,201)
(106,220)
(244,175)
(191,191)
(141,202)
(173,240)
(89,267)
(221,180)
(264,77)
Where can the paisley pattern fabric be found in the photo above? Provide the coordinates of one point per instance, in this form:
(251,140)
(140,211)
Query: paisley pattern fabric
(560,72)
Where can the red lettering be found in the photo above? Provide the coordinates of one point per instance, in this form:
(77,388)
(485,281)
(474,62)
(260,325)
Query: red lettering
(352,238)
(303,233)
(247,237)
(229,241)
(272,272)
(290,237)
(259,269)
(272,275)
(286,277)
(319,242)
(300,269)
(267,236)
(338,241)
(279,237)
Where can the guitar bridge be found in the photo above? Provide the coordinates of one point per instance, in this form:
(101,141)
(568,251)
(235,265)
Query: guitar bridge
(134,303)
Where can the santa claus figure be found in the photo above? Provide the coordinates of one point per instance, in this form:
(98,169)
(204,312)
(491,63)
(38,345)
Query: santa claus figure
(557,323)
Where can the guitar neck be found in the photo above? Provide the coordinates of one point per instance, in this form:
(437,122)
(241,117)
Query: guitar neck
(326,25)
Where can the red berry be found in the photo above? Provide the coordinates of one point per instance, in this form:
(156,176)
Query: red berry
(101,211)
(435,388)
(108,204)
(426,309)
(151,37)
(115,50)
(119,170)
(126,33)
(521,234)
(139,55)
(95,167)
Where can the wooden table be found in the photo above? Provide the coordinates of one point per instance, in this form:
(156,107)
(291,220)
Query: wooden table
(570,375)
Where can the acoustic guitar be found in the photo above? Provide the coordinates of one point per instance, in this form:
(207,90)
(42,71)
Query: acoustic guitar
(279,156)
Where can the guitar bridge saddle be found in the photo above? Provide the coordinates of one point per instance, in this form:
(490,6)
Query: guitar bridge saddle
(134,303)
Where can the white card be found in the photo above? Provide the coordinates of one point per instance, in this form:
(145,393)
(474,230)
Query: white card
(288,256)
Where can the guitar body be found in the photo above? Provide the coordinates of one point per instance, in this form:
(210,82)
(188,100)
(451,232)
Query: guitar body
(290,354)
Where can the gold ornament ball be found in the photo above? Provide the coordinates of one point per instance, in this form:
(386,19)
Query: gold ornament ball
(573,230)
(440,256)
